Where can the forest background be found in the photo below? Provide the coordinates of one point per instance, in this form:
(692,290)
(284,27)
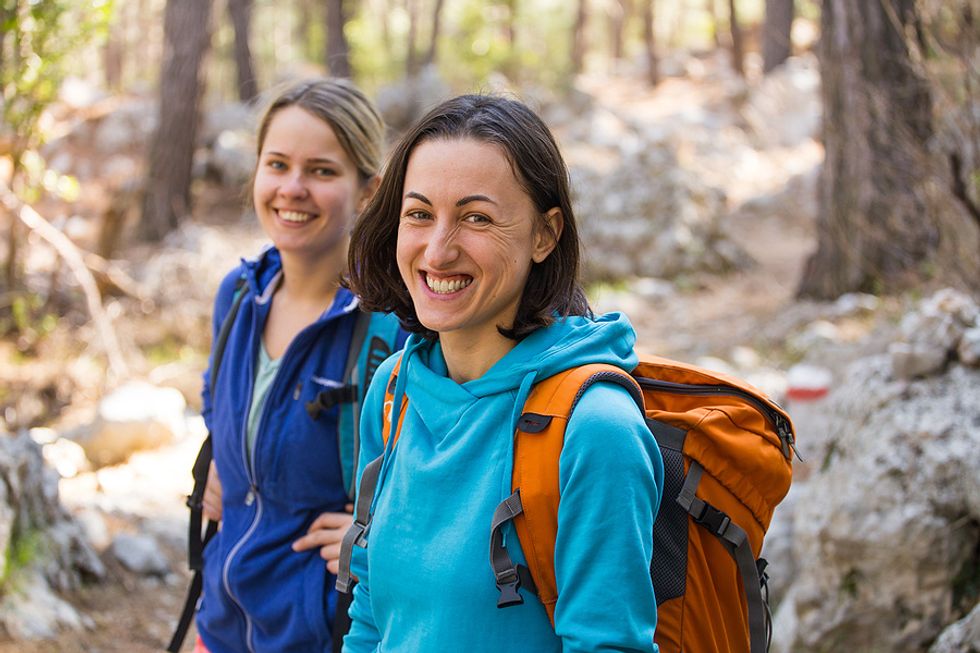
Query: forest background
(786,179)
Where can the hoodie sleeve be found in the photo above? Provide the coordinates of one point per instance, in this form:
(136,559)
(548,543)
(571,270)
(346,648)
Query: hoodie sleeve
(364,636)
(611,479)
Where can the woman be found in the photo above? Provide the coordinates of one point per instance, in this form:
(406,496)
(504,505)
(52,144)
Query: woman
(471,241)
(277,481)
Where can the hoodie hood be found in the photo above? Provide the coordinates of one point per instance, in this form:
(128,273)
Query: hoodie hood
(568,342)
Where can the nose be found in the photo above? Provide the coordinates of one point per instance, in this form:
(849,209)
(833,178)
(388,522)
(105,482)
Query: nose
(293,186)
(442,249)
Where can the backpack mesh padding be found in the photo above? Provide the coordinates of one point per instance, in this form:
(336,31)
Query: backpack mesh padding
(668,569)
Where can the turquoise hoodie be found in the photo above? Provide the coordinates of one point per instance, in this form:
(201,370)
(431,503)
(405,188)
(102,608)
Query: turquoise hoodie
(425,578)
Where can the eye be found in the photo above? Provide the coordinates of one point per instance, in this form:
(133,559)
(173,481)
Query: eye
(276,164)
(416,215)
(477,218)
(324,172)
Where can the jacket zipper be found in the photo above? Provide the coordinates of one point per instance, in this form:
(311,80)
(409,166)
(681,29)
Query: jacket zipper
(783,431)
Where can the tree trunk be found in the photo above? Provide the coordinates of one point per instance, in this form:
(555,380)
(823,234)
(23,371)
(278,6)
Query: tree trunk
(579,44)
(650,42)
(510,27)
(338,50)
(168,179)
(776,41)
(411,54)
(709,6)
(241,18)
(113,52)
(738,49)
(430,56)
(619,12)
(874,227)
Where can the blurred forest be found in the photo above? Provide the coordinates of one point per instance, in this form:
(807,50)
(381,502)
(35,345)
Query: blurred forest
(740,166)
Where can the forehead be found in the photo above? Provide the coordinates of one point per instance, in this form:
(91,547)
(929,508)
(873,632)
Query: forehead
(463,165)
(295,131)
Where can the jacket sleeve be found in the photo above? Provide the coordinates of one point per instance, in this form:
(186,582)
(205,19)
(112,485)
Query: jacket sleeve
(611,480)
(364,635)
(222,304)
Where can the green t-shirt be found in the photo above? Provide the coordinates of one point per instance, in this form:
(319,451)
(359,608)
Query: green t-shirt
(265,372)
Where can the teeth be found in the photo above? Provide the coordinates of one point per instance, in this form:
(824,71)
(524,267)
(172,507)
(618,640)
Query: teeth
(295,216)
(444,287)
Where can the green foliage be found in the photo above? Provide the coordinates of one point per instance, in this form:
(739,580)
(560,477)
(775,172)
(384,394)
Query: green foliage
(28,317)
(39,39)
(23,550)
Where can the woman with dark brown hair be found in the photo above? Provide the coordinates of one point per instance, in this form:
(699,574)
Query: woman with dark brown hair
(471,242)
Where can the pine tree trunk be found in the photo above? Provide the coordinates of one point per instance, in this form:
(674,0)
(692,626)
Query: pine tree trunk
(338,50)
(241,18)
(187,35)
(776,42)
(578,36)
(650,42)
(738,48)
(874,226)
(430,56)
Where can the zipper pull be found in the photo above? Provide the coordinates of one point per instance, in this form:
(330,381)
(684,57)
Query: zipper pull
(787,439)
(297,391)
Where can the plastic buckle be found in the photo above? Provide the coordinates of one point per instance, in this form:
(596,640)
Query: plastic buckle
(194,502)
(508,583)
(360,537)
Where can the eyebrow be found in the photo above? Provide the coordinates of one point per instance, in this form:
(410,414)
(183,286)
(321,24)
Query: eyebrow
(311,160)
(461,202)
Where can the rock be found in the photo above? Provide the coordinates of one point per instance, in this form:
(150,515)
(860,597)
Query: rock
(888,522)
(32,611)
(961,637)
(136,416)
(67,457)
(911,360)
(140,554)
(968,350)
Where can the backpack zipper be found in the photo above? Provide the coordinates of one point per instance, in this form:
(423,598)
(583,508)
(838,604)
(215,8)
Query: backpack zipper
(783,431)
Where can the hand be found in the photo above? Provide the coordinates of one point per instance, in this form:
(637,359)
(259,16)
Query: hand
(212,495)
(327,531)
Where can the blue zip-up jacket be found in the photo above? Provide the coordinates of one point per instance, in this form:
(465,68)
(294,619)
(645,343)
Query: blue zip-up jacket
(426,584)
(259,595)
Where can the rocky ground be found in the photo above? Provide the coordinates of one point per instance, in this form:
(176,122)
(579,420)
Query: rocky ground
(746,320)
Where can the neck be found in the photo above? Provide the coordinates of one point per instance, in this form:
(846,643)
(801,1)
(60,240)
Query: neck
(312,280)
(469,358)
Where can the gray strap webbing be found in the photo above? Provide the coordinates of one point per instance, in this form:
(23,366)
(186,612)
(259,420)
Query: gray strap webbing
(509,577)
(356,534)
(737,543)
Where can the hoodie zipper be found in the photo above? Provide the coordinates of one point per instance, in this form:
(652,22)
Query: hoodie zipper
(783,431)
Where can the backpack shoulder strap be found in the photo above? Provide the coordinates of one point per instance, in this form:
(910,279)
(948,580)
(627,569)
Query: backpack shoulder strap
(356,535)
(533,506)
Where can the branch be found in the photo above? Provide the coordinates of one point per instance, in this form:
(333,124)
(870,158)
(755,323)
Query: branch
(72,256)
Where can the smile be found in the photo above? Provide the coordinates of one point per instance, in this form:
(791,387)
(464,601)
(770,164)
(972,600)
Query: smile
(447,286)
(296,217)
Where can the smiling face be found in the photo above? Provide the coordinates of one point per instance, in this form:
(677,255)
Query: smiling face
(306,189)
(467,237)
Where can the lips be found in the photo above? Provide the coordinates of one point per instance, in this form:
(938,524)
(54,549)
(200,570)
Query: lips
(447,285)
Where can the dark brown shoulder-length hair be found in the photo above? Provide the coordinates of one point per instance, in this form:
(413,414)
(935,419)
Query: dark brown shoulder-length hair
(552,287)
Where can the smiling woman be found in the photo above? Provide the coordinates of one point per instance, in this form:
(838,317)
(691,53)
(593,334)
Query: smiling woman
(471,241)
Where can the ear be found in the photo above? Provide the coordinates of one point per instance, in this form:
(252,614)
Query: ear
(367,191)
(547,233)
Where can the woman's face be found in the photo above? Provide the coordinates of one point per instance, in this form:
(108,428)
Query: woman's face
(467,236)
(307,189)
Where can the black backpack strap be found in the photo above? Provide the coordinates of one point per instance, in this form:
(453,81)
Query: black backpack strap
(737,542)
(202,464)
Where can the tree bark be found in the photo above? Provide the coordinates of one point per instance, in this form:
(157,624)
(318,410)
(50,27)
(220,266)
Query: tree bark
(240,12)
(650,42)
(338,49)
(874,225)
(168,180)
(619,13)
(738,48)
(411,53)
(579,44)
(430,55)
(776,33)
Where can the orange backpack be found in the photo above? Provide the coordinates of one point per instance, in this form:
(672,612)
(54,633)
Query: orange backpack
(727,452)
